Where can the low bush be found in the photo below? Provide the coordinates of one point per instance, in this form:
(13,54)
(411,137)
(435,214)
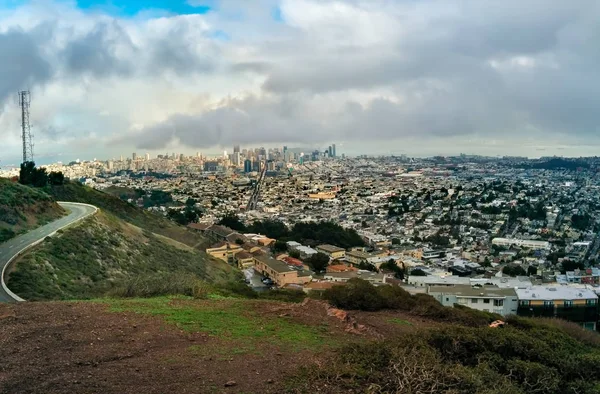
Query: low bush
(460,360)
(359,294)
(161,285)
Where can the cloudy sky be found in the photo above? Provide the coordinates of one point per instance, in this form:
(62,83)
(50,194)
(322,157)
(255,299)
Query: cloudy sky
(420,77)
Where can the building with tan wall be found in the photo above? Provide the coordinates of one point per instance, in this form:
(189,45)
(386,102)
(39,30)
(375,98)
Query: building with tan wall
(280,272)
(333,252)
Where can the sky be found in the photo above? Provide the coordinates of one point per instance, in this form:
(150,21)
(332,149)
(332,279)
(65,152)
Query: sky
(416,77)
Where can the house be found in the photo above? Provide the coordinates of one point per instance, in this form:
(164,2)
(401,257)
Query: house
(279,272)
(524,243)
(373,277)
(569,303)
(305,251)
(333,252)
(483,298)
(224,251)
(218,233)
(244,259)
(340,268)
(356,257)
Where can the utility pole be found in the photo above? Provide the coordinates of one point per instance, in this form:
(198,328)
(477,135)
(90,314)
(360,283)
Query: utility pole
(27,137)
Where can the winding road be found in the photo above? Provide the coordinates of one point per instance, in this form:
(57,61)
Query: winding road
(12,248)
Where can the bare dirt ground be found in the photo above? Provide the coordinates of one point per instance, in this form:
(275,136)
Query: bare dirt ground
(69,347)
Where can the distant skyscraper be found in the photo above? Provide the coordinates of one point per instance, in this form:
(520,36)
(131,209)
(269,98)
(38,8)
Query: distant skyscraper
(236,159)
(147,156)
(330,151)
(247,165)
(333,150)
(236,149)
(134,156)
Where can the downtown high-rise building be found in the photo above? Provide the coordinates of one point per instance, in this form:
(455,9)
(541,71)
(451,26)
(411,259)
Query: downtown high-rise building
(333,150)
(247,166)
(236,149)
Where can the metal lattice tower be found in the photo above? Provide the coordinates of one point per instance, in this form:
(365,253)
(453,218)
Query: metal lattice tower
(27,137)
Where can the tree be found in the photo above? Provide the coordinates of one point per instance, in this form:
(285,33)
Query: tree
(318,262)
(233,222)
(391,265)
(418,272)
(32,176)
(279,246)
(514,270)
(363,265)
(531,270)
(56,178)
(294,253)
(190,202)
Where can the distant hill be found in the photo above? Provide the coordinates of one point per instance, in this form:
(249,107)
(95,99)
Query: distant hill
(123,210)
(23,208)
(91,258)
(557,164)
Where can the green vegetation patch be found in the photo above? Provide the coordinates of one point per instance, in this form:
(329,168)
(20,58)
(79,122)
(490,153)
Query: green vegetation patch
(535,357)
(102,255)
(23,208)
(154,223)
(231,320)
(400,322)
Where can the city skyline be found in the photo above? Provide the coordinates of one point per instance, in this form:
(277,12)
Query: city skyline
(419,78)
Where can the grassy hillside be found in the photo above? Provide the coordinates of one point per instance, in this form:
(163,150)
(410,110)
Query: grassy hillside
(23,208)
(92,258)
(127,212)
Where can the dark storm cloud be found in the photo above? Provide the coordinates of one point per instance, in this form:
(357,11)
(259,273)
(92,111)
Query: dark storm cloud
(96,52)
(23,64)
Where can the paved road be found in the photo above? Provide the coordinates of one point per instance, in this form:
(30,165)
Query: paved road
(11,248)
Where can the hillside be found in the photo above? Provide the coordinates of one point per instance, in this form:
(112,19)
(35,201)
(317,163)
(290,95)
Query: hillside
(93,257)
(23,208)
(236,345)
(76,192)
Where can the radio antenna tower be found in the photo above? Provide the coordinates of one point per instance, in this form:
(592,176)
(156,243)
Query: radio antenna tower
(25,102)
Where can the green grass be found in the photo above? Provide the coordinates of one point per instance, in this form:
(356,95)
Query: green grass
(23,208)
(152,222)
(230,320)
(400,322)
(95,258)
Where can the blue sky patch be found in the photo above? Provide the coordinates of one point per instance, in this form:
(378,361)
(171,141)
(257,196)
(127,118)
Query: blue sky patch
(133,7)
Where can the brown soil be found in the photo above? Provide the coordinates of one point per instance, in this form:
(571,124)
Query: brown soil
(61,347)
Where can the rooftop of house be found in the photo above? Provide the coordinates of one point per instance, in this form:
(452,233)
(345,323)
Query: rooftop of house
(474,291)
(559,292)
(330,248)
(243,255)
(341,268)
(275,265)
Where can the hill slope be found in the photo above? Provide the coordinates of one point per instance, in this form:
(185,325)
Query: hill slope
(216,345)
(23,208)
(76,192)
(89,259)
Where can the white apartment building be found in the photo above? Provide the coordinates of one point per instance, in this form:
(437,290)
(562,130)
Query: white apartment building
(483,298)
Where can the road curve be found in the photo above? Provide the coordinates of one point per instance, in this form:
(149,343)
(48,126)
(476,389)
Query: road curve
(11,249)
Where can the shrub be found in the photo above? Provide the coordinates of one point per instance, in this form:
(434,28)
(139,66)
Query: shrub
(356,294)
(285,295)
(161,285)
(461,360)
